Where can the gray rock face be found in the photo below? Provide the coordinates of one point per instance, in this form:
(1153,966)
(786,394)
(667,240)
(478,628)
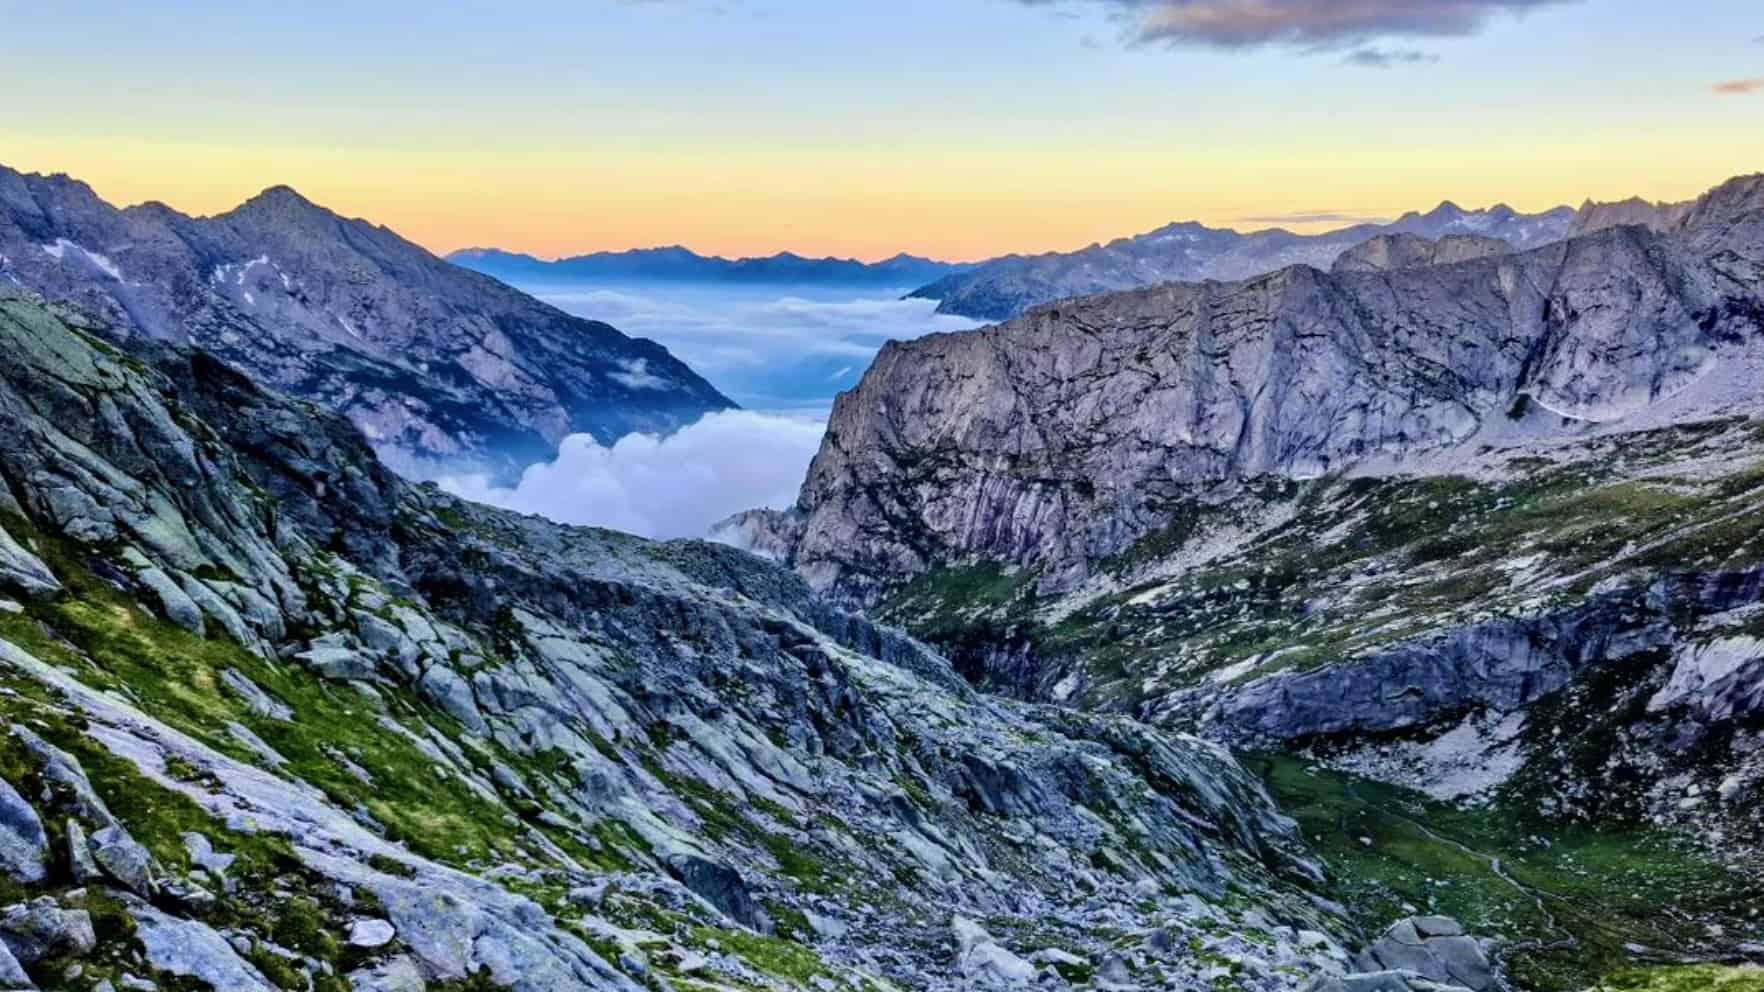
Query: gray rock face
(1055,440)
(190,949)
(24,845)
(1395,252)
(1658,216)
(1007,287)
(21,573)
(12,974)
(428,359)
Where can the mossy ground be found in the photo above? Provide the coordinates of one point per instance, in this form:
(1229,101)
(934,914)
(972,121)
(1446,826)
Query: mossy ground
(1692,978)
(1577,895)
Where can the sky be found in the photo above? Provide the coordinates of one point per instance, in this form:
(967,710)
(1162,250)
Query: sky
(954,128)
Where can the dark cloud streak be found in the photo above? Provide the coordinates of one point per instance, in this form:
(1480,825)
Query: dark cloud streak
(1314,217)
(1384,58)
(1305,25)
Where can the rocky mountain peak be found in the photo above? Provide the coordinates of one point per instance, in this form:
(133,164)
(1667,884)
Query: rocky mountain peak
(434,362)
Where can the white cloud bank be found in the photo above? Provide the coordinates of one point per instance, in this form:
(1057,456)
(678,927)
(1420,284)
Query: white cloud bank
(767,348)
(677,486)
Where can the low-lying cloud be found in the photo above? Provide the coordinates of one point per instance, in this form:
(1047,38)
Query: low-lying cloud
(1316,217)
(1308,25)
(1734,87)
(767,348)
(678,486)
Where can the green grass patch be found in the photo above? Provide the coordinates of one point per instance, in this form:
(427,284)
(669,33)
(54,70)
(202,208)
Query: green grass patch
(1589,891)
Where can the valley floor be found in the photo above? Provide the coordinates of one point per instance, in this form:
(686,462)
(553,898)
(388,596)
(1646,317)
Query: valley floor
(1582,907)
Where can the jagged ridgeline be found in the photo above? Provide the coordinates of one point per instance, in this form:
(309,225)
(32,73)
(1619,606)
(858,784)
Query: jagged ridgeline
(275,718)
(1481,523)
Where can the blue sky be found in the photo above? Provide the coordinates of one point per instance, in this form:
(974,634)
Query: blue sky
(958,127)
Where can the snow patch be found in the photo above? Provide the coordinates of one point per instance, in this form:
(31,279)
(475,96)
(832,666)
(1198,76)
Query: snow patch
(58,251)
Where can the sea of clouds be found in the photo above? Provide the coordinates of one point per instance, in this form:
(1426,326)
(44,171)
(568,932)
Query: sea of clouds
(767,348)
(677,486)
(781,352)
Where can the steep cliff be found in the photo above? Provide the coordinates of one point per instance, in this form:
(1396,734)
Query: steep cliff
(1059,438)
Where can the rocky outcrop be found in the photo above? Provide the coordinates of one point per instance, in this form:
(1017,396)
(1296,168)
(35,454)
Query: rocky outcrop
(1657,216)
(429,360)
(1008,287)
(1060,438)
(1434,948)
(1395,252)
(24,845)
(542,757)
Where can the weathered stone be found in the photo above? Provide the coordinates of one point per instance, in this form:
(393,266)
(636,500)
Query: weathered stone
(42,929)
(368,933)
(123,858)
(12,974)
(176,604)
(24,845)
(260,702)
(22,573)
(204,856)
(79,855)
(722,887)
(397,974)
(190,949)
(983,961)
(340,663)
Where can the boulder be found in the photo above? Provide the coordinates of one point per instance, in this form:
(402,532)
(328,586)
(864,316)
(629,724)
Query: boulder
(340,663)
(983,960)
(176,604)
(259,701)
(371,933)
(24,845)
(124,859)
(22,572)
(12,974)
(204,856)
(722,887)
(42,929)
(1430,947)
(79,855)
(190,949)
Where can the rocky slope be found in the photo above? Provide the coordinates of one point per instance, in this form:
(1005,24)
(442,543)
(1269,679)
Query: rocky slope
(1006,287)
(275,718)
(428,359)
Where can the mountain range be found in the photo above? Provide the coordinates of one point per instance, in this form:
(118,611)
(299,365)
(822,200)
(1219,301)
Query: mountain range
(677,264)
(1389,625)
(436,364)
(1005,287)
